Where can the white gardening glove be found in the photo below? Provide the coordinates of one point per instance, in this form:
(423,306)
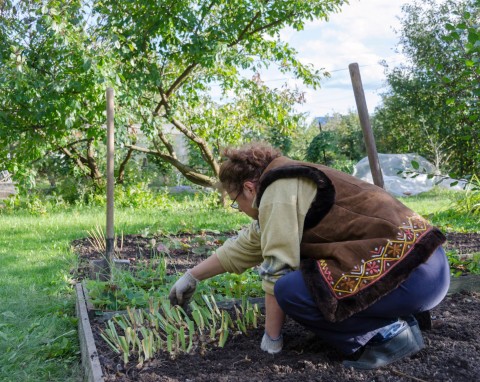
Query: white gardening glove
(272,345)
(183,290)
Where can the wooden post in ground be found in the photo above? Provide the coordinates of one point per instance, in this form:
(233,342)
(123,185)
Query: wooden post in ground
(366,126)
(110,175)
(102,269)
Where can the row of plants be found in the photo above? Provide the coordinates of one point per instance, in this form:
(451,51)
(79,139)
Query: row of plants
(147,325)
(138,289)
(139,335)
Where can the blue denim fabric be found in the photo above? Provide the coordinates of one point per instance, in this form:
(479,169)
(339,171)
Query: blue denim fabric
(425,288)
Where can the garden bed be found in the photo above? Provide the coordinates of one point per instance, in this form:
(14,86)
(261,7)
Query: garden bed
(452,352)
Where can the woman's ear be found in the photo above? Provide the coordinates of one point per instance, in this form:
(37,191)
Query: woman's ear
(250,187)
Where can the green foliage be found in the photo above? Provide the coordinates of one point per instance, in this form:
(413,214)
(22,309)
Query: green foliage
(469,203)
(135,195)
(463,264)
(232,286)
(301,140)
(130,289)
(57,58)
(432,107)
(150,281)
(339,144)
(321,148)
(141,335)
(52,85)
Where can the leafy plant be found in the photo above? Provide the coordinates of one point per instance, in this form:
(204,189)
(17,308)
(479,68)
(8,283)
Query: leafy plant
(463,264)
(141,334)
(231,285)
(467,202)
(470,203)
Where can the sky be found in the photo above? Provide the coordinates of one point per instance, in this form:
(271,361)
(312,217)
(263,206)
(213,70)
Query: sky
(364,33)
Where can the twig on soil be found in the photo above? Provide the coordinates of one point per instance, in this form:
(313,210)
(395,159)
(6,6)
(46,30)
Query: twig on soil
(407,376)
(246,359)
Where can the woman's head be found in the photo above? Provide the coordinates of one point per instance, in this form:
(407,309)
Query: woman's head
(245,164)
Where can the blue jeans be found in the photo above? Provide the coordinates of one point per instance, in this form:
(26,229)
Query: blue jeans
(424,289)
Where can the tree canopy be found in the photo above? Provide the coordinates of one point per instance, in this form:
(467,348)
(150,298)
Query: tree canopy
(175,65)
(432,107)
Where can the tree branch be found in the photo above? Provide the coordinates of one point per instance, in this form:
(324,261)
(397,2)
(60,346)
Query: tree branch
(207,10)
(180,79)
(272,24)
(86,164)
(203,146)
(74,158)
(91,162)
(187,171)
(123,165)
(245,30)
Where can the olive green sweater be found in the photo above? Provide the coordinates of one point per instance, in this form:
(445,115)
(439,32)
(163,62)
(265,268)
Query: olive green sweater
(273,242)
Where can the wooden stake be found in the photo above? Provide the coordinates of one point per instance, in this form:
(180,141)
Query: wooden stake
(110,174)
(365,123)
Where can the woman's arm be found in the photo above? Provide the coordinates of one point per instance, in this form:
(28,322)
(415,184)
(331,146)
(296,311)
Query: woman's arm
(209,267)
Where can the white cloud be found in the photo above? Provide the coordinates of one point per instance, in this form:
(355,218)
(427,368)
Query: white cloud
(363,32)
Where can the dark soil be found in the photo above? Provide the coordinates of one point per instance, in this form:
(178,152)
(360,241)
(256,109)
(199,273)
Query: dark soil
(452,351)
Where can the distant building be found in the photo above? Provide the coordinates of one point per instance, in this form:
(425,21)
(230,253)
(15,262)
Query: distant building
(321,120)
(7,187)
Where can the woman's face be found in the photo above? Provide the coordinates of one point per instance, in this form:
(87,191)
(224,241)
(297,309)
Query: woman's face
(244,199)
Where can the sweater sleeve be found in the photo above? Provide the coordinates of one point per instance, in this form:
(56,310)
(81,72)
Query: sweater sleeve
(242,252)
(282,213)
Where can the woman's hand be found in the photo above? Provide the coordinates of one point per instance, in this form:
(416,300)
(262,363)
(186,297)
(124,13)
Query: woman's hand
(183,290)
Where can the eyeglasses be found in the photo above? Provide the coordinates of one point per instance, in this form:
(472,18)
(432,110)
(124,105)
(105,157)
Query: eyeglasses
(234,202)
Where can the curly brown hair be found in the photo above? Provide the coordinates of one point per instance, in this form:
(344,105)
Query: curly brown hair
(245,163)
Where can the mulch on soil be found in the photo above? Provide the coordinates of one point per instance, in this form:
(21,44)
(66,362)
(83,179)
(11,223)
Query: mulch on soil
(452,351)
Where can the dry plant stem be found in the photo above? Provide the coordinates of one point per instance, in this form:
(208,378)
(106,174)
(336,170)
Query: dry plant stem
(97,239)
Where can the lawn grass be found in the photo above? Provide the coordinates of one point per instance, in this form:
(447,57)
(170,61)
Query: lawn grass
(441,206)
(433,201)
(38,337)
(38,327)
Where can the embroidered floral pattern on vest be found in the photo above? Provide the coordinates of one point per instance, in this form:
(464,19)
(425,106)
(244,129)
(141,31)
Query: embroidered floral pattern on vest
(381,261)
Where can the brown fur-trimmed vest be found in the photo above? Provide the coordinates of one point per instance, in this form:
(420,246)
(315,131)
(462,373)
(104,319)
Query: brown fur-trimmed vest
(359,243)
